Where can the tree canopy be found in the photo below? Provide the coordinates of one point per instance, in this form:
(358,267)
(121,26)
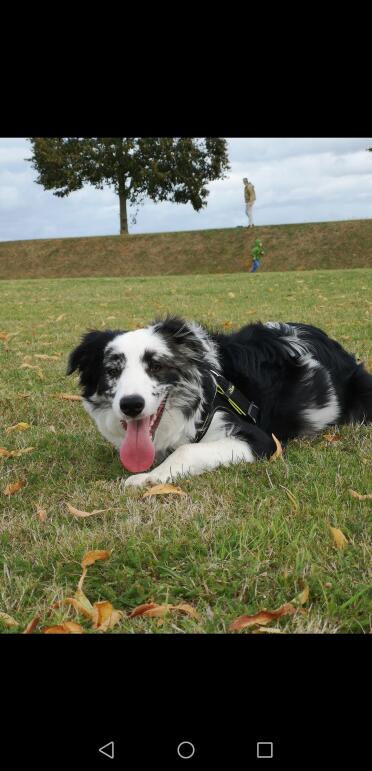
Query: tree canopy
(161,168)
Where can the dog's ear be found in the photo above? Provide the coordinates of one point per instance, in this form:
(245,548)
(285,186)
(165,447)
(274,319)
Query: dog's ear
(87,358)
(184,336)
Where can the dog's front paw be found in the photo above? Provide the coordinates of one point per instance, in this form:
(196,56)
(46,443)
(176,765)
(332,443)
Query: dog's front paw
(138,480)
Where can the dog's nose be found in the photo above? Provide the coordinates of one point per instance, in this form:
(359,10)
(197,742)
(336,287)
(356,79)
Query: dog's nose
(132,405)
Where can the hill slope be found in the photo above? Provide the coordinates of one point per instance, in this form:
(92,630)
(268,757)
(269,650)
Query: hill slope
(305,246)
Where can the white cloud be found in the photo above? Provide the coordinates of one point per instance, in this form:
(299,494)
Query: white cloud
(296,180)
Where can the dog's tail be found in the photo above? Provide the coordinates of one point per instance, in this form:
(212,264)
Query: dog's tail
(359,398)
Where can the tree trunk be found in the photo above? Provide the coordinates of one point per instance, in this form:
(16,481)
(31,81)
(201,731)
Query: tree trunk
(123,214)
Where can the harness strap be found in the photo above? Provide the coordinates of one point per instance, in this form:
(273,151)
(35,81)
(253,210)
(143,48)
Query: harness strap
(222,401)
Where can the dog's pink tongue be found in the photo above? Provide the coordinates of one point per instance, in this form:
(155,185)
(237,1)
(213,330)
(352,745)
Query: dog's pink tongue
(137,451)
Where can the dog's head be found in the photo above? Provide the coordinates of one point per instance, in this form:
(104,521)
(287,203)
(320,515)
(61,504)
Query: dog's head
(138,373)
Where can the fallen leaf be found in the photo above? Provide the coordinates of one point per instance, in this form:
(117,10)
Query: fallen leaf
(81,604)
(81,580)
(62,316)
(279,450)
(159,610)
(152,610)
(262,618)
(41,513)
(141,609)
(23,396)
(268,630)
(360,497)
(18,427)
(31,625)
(68,627)
(188,609)
(107,617)
(13,488)
(78,513)
(338,537)
(332,437)
(69,397)
(8,620)
(92,556)
(163,490)
(3,336)
(5,453)
(22,451)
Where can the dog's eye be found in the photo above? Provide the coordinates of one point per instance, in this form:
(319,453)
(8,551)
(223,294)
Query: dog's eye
(154,366)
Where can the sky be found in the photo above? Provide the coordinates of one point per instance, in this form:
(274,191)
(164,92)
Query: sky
(296,180)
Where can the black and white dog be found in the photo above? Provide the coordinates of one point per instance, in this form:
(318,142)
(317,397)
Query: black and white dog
(191,400)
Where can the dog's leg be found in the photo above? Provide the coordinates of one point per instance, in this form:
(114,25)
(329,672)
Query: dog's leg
(191,459)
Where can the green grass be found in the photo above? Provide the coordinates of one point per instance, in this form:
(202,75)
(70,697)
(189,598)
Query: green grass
(306,246)
(237,543)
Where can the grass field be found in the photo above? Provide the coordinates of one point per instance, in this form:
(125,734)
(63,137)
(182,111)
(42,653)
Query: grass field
(245,538)
(307,246)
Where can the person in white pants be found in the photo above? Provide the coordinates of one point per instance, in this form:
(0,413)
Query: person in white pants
(249,197)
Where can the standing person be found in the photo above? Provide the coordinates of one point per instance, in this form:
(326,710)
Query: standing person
(256,252)
(249,197)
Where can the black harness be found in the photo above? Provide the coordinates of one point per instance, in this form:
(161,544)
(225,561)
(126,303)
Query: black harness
(226,398)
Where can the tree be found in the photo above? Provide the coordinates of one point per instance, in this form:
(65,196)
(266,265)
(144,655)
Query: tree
(163,169)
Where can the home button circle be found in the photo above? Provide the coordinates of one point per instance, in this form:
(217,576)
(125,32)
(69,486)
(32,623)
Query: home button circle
(186,750)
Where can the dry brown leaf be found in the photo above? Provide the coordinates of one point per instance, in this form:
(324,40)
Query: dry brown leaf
(81,581)
(68,627)
(18,427)
(81,604)
(279,450)
(141,609)
(332,437)
(69,397)
(62,316)
(78,513)
(8,620)
(107,616)
(188,609)
(4,336)
(159,610)
(338,537)
(268,630)
(262,618)
(14,453)
(31,625)
(92,556)
(22,451)
(163,490)
(360,497)
(153,610)
(11,489)
(41,513)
